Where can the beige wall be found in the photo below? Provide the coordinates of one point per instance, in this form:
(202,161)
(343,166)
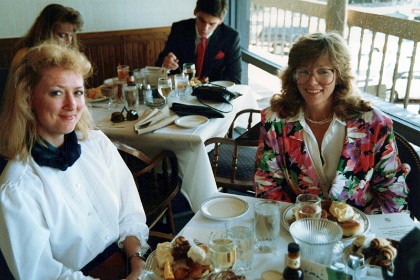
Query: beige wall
(16,16)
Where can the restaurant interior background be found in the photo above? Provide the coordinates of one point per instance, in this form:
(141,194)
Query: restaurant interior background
(265,27)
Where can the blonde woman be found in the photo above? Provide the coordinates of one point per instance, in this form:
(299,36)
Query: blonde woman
(66,195)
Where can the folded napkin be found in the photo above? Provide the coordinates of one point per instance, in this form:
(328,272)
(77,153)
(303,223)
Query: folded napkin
(185,110)
(155,119)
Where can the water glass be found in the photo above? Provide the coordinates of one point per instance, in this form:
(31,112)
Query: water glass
(242,231)
(189,70)
(266,225)
(308,206)
(138,77)
(165,86)
(181,84)
(131,97)
(368,272)
(222,251)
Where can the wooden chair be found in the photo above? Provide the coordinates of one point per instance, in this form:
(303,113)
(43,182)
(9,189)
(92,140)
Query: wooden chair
(158,183)
(233,160)
(409,155)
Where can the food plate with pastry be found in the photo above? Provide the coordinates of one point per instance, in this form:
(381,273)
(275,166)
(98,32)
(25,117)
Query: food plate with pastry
(353,221)
(376,250)
(179,260)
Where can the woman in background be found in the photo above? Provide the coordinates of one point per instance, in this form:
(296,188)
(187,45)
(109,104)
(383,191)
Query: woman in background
(66,195)
(320,137)
(56,23)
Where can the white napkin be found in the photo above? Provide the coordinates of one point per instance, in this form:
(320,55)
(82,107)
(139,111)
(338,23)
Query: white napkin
(154,120)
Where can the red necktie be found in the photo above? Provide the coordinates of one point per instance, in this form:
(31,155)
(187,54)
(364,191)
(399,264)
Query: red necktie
(199,57)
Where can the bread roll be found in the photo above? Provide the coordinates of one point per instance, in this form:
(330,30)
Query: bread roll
(351,228)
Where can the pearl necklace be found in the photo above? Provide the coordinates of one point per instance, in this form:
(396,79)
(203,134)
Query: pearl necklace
(327,120)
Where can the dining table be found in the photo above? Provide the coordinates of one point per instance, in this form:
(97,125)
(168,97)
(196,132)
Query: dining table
(187,143)
(202,224)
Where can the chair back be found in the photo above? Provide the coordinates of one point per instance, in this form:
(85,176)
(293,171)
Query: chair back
(157,183)
(409,155)
(233,159)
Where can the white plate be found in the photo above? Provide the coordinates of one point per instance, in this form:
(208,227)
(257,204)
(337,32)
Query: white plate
(156,272)
(226,84)
(93,100)
(223,208)
(191,121)
(288,215)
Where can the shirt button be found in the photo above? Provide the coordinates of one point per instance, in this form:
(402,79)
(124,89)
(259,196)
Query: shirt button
(78,186)
(106,238)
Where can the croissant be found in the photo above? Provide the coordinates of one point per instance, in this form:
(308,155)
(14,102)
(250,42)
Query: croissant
(388,252)
(379,242)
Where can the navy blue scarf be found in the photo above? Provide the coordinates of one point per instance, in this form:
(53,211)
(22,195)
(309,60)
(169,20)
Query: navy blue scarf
(60,158)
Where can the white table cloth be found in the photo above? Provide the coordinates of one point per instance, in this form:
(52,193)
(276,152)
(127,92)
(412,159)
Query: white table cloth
(200,227)
(187,143)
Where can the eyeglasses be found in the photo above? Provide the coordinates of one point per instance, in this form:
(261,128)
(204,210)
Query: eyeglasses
(324,76)
(118,117)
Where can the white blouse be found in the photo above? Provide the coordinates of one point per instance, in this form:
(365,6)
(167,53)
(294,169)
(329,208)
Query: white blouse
(326,162)
(55,222)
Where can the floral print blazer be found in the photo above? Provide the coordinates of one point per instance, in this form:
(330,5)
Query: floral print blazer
(369,174)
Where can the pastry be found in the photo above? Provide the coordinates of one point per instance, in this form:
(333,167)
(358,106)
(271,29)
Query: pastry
(351,228)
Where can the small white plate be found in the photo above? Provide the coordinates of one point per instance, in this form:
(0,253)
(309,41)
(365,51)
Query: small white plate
(191,121)
(93,100)
(288,215)
(226,84)
(224,208)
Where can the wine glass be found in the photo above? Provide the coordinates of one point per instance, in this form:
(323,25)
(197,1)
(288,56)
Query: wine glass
(189,70)
(181,84)
(222,251)
(165,87)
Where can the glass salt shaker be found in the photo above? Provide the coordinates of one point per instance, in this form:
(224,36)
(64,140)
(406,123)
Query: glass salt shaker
(354,261)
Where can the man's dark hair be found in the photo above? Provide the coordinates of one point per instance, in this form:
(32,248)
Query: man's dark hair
(216,8)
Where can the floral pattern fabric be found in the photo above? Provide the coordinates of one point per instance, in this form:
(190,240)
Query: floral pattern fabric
(370,175)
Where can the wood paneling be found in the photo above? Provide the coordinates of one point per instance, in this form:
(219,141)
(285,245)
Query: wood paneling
(137,48)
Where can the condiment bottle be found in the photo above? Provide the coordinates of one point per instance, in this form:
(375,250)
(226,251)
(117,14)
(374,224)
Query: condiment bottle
(131,93)
(293,270)
(148,95)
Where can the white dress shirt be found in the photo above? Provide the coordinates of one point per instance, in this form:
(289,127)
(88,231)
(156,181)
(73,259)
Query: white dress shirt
(52,222)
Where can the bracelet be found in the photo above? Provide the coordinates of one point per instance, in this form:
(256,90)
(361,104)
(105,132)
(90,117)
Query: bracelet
(136,254)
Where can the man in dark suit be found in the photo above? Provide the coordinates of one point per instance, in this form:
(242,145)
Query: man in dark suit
(222,55)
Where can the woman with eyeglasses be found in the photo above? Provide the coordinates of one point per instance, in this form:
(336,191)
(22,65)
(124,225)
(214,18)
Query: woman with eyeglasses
(318,136)
(56,23)
(68,202)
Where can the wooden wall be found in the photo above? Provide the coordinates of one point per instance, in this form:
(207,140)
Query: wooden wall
(137,48)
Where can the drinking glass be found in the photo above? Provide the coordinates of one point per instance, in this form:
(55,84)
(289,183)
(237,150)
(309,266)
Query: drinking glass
(181,84)
(308,206)
(189,70)
(267,225)
(122,72)
(368,272)
(222,251)
(242,231)
(165,86)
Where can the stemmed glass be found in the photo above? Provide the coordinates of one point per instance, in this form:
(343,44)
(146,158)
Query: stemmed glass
(189,70)
(165,87)
(181,84)
(222,251)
